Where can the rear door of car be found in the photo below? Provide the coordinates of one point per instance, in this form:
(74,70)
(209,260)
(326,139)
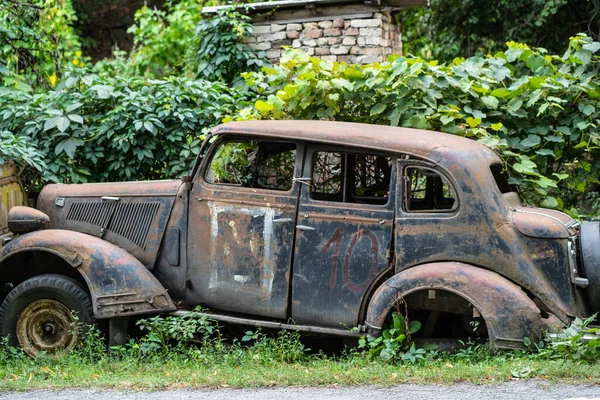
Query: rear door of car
(344,232)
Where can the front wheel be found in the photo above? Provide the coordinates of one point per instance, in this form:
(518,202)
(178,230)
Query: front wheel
(38,314)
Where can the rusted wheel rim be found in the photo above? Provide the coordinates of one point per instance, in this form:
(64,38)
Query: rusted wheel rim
(45,325)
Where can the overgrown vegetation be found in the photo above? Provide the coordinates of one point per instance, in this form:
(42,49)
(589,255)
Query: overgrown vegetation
(103,129)
(37,41)
(143,116)
(450,28)
(191,351)
(540,112)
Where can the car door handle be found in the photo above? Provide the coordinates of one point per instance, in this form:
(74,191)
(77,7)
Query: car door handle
(305,228)
(276,220)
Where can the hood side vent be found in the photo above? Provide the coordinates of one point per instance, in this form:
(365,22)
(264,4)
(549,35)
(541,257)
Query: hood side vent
(130,220)
(95,212)
(133,221)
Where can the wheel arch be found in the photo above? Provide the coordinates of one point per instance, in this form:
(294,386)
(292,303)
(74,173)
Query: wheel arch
(508,312)
(118,283)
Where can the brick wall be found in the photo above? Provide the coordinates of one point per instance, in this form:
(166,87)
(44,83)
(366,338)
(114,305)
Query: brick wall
(364,39)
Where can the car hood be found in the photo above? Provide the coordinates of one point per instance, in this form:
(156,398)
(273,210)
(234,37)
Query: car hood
(132,215)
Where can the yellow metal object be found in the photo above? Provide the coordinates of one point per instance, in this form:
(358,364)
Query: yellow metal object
(11,194)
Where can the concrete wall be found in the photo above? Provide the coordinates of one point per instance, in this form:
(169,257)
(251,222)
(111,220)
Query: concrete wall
(362,39)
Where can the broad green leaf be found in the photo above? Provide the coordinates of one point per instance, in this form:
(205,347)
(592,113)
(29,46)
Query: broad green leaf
(545,152)
(73,107)
(263,106)
(75,118)
(535,62)
(534,97)
(515,104)
(549,202)
(490,101)
(473,122)
(51,123)
(68,146)
(342,84)
(63,123)
(501,93)
(525,166)
(414,326)
(593,47)
(531,141)
(586,108)
(446,119)
(584,56)
(323,85)
(104,91)
(377,109)
(149,126)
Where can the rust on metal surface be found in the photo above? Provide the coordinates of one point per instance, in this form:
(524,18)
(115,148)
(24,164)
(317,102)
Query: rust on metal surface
(328,260)
(119,284)
(509,314)
(26,219)
(46,325)
(132,215)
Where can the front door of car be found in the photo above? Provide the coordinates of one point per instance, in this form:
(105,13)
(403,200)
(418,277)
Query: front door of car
(344,233)
(241,227)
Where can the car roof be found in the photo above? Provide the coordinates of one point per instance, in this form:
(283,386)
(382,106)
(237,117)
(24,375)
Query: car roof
(430,145)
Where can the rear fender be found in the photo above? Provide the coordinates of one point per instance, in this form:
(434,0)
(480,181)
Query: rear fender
(119,284)
(508,312)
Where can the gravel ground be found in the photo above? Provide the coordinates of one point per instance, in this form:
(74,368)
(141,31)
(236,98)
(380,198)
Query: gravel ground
(515,390)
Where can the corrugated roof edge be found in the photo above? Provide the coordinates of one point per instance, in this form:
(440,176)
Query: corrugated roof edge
(288,4)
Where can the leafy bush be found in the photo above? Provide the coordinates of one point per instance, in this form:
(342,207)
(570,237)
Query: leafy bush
(37,41)
(448,28)
(177,41)
(569,342)
(540,112)
(285,347)
(220,53)
(105,129)
(20,149)
(394,344)
(161,41)
(179,334)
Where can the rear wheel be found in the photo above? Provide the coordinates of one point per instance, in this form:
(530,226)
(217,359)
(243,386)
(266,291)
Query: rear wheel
(38,314)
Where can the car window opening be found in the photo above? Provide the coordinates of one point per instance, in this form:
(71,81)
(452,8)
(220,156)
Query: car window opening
(501,178)
(351,178)
(427,190)
(259,165)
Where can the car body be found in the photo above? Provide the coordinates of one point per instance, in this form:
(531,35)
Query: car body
(322,226)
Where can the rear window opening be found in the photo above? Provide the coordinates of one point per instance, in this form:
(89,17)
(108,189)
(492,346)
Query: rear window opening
(501,178)
(425,190)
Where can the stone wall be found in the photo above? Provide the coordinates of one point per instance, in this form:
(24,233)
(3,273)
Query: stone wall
(362,39)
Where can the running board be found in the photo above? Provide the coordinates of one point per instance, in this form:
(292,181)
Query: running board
(271,324)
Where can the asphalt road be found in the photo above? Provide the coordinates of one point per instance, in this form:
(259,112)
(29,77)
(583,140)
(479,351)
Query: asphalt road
(511,390)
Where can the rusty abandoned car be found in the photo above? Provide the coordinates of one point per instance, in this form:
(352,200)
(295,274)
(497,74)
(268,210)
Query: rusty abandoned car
(308,225)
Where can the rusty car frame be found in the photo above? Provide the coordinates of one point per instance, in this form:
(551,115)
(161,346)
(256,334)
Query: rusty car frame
(309,225)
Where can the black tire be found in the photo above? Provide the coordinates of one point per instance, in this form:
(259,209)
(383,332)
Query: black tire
(37,314)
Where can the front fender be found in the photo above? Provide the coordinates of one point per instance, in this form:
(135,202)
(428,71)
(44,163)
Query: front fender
(508,312)
(119,284)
